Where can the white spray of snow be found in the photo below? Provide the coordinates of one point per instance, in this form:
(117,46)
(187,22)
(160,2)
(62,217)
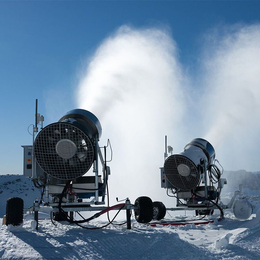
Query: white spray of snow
(232,97)
(134,86)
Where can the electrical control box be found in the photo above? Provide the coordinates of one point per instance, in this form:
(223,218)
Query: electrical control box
(28,163)
(27,160)
(164,182)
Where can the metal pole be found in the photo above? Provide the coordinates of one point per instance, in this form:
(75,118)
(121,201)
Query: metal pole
(96,171)
(35,130)
(128,213)
(165,148)
(36,214)
(36,115)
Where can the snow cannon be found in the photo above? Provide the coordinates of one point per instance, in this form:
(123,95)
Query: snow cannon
(59,163)
(62,154)
(193,176)
(66,150)
(184,171)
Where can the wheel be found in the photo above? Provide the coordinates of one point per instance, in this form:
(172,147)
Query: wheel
(14,211)
(144,209)
(159,210)
(242,209)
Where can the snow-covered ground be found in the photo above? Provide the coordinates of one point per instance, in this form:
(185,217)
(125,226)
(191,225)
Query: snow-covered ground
(227,239)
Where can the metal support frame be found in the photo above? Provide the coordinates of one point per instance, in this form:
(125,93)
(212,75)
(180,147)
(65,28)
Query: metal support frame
(95,170)
(74,207)
(196,207)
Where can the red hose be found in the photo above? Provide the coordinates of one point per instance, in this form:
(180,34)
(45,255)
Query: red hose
(170,223)
(109,208)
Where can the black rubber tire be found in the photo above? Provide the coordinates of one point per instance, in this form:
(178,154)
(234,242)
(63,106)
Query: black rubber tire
(159,210)
(144,209)
(14,211)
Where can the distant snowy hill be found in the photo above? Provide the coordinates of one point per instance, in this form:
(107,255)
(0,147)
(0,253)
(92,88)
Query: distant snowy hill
(250,184)
(17,186)
(249,180)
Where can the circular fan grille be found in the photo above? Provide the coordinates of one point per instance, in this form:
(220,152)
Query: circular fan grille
(179,180)
(63,151)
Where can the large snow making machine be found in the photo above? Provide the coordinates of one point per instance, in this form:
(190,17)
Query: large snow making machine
(62,153)
(59,163)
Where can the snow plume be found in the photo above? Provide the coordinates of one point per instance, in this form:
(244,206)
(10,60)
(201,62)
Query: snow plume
(232,98)
(134,85)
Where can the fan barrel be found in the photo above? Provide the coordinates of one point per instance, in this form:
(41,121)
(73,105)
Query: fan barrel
(183,171)
(66,149)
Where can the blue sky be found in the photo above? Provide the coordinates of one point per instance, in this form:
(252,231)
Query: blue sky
(45,45)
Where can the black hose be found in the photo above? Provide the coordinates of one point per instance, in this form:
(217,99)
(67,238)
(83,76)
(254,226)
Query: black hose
(215,203)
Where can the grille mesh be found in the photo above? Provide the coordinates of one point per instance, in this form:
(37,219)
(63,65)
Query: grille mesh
(175,179)
(62,165)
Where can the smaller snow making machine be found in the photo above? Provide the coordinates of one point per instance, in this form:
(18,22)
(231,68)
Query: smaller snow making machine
(59,163)
(194,178)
